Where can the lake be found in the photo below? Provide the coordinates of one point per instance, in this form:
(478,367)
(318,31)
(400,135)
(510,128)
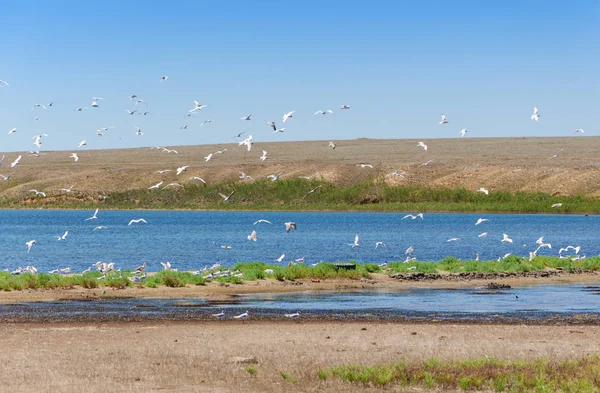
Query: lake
(192,239)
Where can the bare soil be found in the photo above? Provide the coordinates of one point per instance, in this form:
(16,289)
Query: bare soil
(510,164)
(213,356)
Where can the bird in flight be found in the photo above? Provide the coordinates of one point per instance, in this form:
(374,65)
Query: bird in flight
(94,217)
(506,239)
(81,144)
(414,217)
(197,107)
(63,237)
(164,78)
(274,177)
(382,244)
(365,166)
(197,178)
(30,244)
(182,169)
(556,205)
(244,176)
(15,162)
(280,130)
(12,131)
(479,221)
(536,115)
(422,145)
(131,112)
(226,198)
(345,107)
(38,106)
(323,112)
(312,191)
(454,239)
(484,190)
(135,221)
(74,156)
(444,120)
(246,117)
(264,155)
(272,125)
(579,130)
(463,132)
(173,185)
(67,190)
(5,83)
(332,145)
(253,236)
(355,244)
(164,171)
(206,122)
(289,226)
(156,186)
(138,131)
(288,115)
(43,194)
(240,134)
(208,157)
(261,220)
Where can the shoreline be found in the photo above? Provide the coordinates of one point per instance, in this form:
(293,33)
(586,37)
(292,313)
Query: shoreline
(214,291)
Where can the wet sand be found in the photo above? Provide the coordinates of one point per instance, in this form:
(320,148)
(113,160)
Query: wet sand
(212,356)
(216,291)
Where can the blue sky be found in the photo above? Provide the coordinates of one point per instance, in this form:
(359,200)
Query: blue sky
(398,63)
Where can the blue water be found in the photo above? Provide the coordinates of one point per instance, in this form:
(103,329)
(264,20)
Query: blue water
(191,240)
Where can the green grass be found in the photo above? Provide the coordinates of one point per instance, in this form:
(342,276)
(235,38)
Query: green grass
(290,194)
(251,370)
(252,271)
(581,375)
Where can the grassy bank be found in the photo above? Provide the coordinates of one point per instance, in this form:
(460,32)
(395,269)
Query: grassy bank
(580,375)
(252,271)
(293,194)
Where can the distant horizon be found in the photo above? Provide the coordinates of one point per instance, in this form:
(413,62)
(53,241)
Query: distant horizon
(398,65)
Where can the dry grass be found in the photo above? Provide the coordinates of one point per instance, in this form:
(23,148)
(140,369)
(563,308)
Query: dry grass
(509,164)
(200,357)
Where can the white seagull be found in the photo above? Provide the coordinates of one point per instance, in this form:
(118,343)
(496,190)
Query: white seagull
(94,217)
(332,145)
(12,131)
(295,315)
(135,221)
(81,144)
(422,145)
(536,114)
(30,245)
(506,239)
(261,220)
(43,194)
(479,221)
(484,190)
(226,198)
(156,186)
(67,190)
(220,315)
(463,132)
(420,215)
(74,156)
(208,157)
(253,236)
(323,112)
(355,244)
(288,115)
(264,155)
(246,117)
(377,244)
(289,226)
(444,120)
(181,169)
(197,107)
(243,316)
(15,162)
(63,237)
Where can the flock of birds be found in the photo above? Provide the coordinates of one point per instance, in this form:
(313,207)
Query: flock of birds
(246,143)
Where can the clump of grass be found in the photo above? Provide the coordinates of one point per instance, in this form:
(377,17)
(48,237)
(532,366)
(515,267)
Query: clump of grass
(580,375)
(287,377)
(251,370)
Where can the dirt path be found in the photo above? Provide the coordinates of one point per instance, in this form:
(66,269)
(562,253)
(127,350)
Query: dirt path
(201,357)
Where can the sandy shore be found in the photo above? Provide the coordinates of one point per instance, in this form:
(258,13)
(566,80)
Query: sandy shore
(216,291)
(203,356)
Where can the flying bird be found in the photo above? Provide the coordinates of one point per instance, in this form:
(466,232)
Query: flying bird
(331,145)
(197,107)
(414,217)
(345,107)
(67,190)
(156,186)
(226,198)
(323,112)
(74,156)
(288,115)
(135,221)
(253,236)
(272,125)
(43,194)
(264,155)
(208,157)
(63,237)
(506,239)
(484,190)
(12,131)
(382,244)
(422,145)
(15,162)
(81,144)
(556,205)
(197,178)
(279,130)
(444,120)
(355,244)
(536,115)
(463,132)
(164,78)
(182,169)
(30,244)
(479,221)
(5,83)
(261,220)
(289,226)
(246,117)
(94,217)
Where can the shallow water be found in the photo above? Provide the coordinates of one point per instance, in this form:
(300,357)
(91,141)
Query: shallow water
(191,240)
(543,303)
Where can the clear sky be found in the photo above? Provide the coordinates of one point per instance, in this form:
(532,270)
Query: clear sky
(399,64)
